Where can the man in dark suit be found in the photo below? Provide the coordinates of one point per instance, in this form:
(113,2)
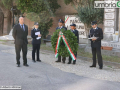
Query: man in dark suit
(73,29)
(36,36)
(61,22)
(97,35)
(20,32)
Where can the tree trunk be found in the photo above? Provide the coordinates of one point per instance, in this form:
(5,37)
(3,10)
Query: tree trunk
(9,18)
(87,33)
(1,22)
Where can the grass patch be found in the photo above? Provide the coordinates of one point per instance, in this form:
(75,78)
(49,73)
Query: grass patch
(43,47)
(3,40)
(111,58)
(110,66)
(29,45)
(82,53)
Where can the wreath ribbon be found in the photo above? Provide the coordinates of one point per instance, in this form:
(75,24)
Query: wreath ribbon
(62,37)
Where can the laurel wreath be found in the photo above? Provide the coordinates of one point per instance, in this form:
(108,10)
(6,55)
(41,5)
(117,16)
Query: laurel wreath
(71,39)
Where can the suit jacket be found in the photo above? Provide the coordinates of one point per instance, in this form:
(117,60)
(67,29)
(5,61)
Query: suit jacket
(20,35)
(61,28)
(97,33)
(34,40)
(76,34)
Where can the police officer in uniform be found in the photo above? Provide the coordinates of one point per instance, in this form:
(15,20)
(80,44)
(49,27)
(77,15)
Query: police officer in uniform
(73,29)
(36,41)
(60,26)
(97,32)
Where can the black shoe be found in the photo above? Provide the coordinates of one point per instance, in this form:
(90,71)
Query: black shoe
(100,67)
(69,63)
(26,65)
(64,62)
(33,60)
(58,61)
(39,60)
(74,62)
(93,66)
(18,65)
(64,58)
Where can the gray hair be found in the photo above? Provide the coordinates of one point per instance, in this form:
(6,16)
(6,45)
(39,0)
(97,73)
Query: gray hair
(20,17)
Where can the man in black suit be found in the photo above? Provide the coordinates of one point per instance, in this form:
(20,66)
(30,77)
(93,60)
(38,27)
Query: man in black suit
(73,29)
(20,33)
(61,22)
(36,36)
(97,35)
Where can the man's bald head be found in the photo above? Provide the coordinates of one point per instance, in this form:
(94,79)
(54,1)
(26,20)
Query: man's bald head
(21,20)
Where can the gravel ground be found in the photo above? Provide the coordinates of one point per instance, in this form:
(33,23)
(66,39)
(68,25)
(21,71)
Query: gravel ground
(81,68)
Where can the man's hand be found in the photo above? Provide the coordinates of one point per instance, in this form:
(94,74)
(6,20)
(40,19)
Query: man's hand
(39,35)
(93,39)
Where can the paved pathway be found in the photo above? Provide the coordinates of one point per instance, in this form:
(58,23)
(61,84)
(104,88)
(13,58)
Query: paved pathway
(47,76)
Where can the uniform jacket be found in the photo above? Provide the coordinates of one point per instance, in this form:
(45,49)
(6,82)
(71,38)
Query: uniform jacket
(20,35)
(76,34)
(97,33)
(61,28)
(64,29)
(35,41)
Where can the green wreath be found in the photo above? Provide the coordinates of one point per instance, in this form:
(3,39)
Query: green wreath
(71,39)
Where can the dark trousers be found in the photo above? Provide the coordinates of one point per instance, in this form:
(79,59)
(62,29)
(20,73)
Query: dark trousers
(63,58)
(36,47)
(70,59)
(24,51)
(99,56)
(59,57)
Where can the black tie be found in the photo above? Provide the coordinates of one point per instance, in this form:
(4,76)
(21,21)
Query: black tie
(22,27)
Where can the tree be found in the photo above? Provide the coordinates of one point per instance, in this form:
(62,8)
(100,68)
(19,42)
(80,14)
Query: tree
(5,6)
(79,2)
(10,6)
(7,3)
(44,27)
(37,6)
(86,12)
(39,11)
(1,22)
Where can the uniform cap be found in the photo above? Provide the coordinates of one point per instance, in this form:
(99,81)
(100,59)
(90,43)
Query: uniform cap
(73,25)
(61,21)
(93,22)
(36,23)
